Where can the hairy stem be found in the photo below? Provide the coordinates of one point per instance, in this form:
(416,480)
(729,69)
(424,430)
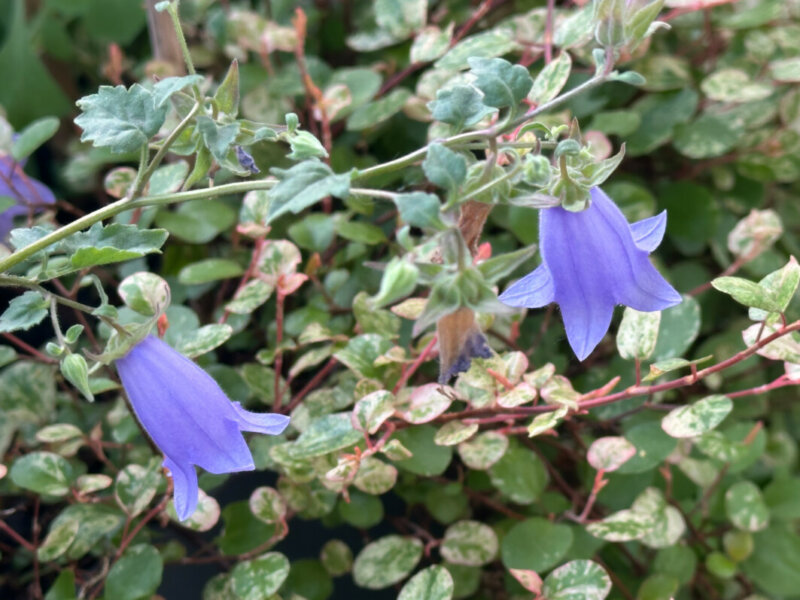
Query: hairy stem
(484,134)
(122,205)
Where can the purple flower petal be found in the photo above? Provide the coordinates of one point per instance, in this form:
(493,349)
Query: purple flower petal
(586,320)
(532,291)
(185,490)
(188,416)
(648,233)
(26,191)
(269,423)
(593,260)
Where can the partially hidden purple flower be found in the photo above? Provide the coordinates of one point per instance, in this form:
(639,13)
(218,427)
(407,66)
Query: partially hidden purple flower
(189,417)
(28,193)
(246,160)
(591,261)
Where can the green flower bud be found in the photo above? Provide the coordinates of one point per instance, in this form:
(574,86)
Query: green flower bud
(76,371)
(399,280)
(536,170)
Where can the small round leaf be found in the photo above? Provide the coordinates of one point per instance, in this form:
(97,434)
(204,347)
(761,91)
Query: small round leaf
(386,561)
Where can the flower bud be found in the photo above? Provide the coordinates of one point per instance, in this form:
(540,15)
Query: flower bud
(536,170)
(76,371)
(399,280)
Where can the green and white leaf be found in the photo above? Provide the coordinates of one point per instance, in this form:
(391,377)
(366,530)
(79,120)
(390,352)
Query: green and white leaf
(637,334)
(577,580)
(610,453)
(259,578)
(470,543)
(44,473)
(484,450)
(433,583)
(697,418)
(551,79)
(622,526)
(386,561)
(745,506)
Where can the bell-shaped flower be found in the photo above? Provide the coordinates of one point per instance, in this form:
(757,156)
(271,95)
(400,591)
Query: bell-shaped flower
(591,261)
(189,417)
(28,194)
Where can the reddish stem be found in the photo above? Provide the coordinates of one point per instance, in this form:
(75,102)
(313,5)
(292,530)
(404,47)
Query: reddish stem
(782,381)
(633,391)
(276,402)
(29,349)
(598,485)
(248,274)
(17,537)
(548,32)
(414,366)
(311,385)
(501,379)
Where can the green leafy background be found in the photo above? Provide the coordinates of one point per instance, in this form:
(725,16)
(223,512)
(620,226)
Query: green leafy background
(702,490)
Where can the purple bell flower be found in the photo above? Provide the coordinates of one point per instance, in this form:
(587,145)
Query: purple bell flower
(591,261)
(28,193)
(189,417)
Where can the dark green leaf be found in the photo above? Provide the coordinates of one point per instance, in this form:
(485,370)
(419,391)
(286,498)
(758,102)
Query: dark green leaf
(535,544)
(29,91)
(136,575)
(242,531)
(197,222)
(63,587)
(428,458)
(33,136)
(211,269)
(227,94)
(359,231)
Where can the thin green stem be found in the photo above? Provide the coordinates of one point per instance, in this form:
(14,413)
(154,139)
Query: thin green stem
(373,193)
(488,133)
(144,154)
(13,281)
(491,160)
(122,205)
(176,23)
(56,324)
(141,181)
(246,186)
(489,185)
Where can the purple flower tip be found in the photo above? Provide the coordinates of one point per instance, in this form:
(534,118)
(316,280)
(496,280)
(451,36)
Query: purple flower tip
(591,261)
(28,193)
(189,417)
